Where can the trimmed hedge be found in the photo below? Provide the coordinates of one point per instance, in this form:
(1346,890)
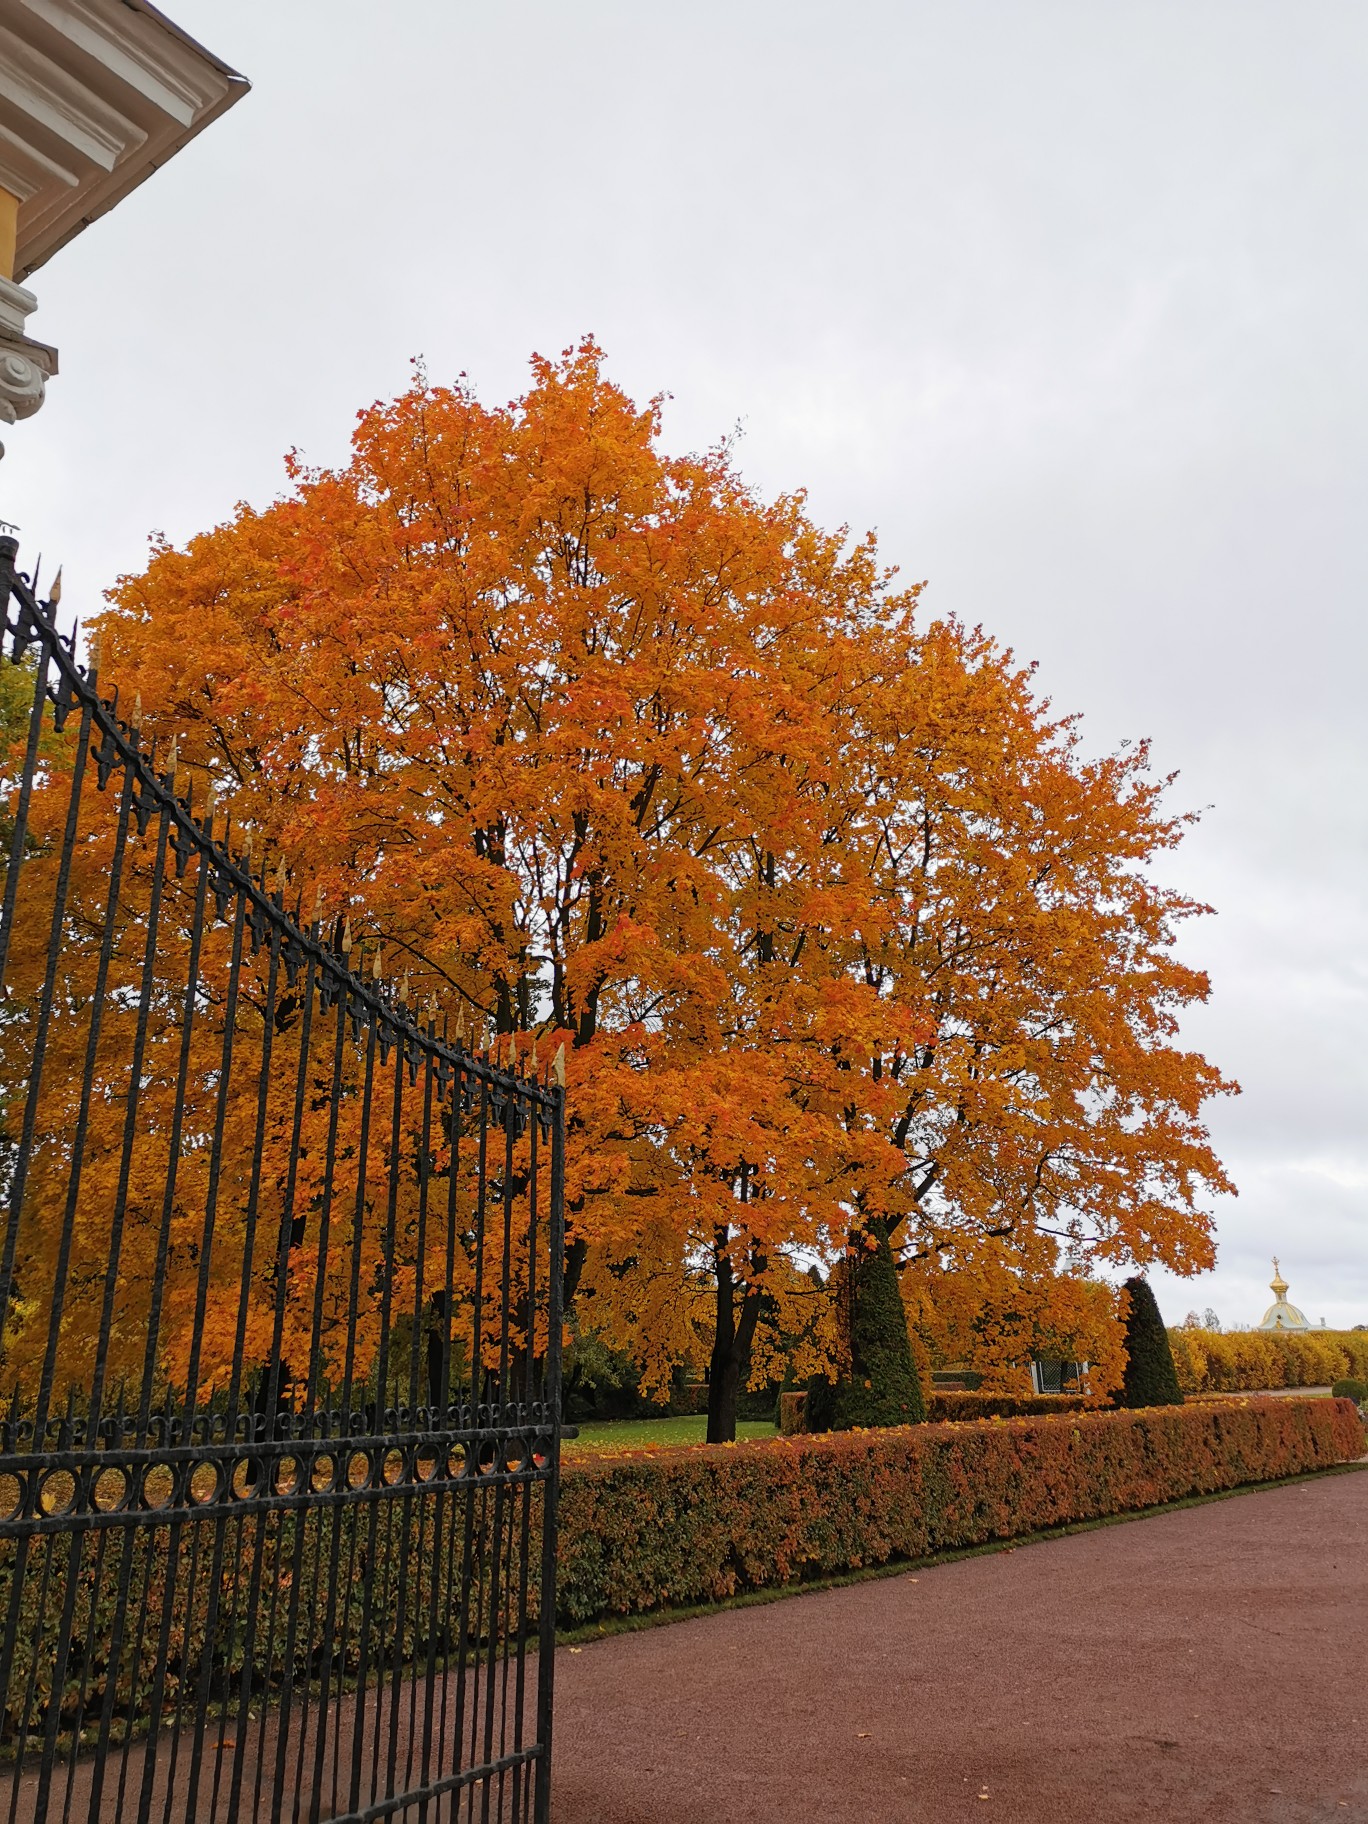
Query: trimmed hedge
(960,1406)
(1150,1378)
(882,1386)
(954,1406)
(1246,1361)
(696,1525)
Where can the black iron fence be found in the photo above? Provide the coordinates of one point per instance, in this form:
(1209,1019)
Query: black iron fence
(279,1323)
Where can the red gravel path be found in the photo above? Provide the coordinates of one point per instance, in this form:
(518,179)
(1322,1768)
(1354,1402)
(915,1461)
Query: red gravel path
(1209,1664)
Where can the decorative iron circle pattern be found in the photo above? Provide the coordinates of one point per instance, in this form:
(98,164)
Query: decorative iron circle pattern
(46,1496)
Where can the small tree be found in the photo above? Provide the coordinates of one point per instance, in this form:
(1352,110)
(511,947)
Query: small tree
(882,1386)
(1151,1378)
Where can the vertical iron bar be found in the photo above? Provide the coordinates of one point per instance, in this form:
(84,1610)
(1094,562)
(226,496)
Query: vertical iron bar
(23,1153)
(49,1368)
(546,1655)
(239,1351)
(218,1512)
(303,1462)
(19,838)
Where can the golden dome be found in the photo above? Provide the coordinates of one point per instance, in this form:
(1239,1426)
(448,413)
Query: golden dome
(1280,1315)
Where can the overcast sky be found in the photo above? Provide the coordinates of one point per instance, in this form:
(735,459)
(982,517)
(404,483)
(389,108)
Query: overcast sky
(1069,301)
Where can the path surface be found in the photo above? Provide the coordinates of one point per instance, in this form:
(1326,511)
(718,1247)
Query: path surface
(1209,1664)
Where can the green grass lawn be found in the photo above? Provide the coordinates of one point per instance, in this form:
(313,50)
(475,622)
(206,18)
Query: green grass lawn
(638,1434)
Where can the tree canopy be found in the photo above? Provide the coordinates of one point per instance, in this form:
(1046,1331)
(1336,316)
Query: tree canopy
(849,939)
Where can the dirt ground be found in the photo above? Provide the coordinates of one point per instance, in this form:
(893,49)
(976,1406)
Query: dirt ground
(1209,1664)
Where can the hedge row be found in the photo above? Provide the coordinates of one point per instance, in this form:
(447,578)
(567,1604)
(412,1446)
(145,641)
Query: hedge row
(960,1406)
(692,1525)
(957,1406)
(1245,1361)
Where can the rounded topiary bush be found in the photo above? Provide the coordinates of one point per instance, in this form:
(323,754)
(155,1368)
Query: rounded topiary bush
(1357,1391)
(1151,1378)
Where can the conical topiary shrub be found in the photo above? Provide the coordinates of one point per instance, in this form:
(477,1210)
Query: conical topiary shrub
(1151,1378)
(882,1387)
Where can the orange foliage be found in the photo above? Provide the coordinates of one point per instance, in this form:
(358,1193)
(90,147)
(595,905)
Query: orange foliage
(842,927)
(1243,1361)
(996,1321)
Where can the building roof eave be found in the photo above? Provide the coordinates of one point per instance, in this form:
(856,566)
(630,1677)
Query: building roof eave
(112,58)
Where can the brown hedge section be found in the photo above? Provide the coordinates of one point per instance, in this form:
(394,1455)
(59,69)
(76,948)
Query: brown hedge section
(966,1405)
(957,1405)
(695,1525)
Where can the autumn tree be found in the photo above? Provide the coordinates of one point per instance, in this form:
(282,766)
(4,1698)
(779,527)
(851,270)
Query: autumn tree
(997,1318)
(851,944)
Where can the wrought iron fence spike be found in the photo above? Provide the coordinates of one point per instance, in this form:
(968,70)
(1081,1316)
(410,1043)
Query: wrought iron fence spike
(558,1067)
(55,593)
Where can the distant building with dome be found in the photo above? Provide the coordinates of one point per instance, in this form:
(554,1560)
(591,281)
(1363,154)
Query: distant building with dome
(1280,1315)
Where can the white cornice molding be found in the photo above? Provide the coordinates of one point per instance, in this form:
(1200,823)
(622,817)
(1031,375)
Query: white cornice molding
(55,106)
(94,95)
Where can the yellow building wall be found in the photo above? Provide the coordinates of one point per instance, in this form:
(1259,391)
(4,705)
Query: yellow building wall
(9,232)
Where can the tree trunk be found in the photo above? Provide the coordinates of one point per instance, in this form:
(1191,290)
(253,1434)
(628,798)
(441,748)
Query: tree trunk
(724,1374)
(731,1350)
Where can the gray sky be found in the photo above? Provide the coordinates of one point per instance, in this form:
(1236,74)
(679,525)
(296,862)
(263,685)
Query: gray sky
(1068,301)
